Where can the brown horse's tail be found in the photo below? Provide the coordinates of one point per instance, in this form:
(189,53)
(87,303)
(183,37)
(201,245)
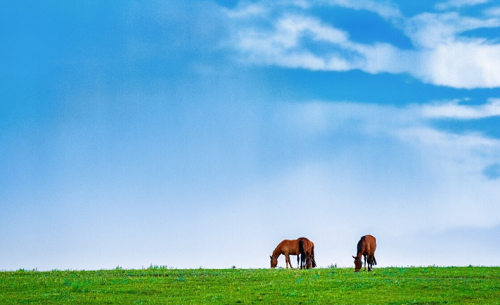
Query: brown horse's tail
(374,260)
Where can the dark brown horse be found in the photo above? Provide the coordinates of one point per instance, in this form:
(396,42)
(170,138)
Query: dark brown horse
(293,247)
(306,248)
(366,248)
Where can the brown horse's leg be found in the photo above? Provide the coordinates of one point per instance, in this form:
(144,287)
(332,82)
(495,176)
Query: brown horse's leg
(364,268)
(288,261)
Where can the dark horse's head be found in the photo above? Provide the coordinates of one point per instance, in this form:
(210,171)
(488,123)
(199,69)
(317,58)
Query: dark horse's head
(357,263)
(274,262)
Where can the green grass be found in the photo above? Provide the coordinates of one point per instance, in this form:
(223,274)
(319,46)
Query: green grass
(423,285)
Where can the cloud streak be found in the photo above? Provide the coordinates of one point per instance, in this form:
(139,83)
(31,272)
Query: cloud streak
(454,109)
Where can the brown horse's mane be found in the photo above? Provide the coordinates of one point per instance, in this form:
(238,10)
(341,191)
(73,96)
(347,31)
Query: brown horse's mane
(360,247)
(277,250)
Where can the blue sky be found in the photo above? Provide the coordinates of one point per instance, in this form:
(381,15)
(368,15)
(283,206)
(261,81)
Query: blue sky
(202,133)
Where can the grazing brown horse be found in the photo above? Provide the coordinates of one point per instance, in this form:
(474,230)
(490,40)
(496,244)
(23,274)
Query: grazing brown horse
(293,247)
(366,247)
(306,248)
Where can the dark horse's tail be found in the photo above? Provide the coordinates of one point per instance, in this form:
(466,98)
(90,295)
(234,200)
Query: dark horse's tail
(312,257)
(302,252)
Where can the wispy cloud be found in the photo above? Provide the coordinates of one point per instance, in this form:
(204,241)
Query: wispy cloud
(442,55)
(459,3)
(430,30)
(383,8)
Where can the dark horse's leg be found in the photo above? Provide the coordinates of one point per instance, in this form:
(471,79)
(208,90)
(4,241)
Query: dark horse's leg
(371,260)
(311,262)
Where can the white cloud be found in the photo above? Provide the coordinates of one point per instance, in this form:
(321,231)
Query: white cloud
(283,45)
(459,3)
(448,59)
(461,65)
(441,55)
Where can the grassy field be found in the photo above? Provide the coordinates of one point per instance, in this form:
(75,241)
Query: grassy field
(423,285)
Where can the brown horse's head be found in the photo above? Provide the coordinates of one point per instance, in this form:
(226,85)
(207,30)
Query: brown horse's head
(357,263)
(274,262)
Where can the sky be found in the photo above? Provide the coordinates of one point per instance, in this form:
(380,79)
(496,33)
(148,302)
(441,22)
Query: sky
(202,133)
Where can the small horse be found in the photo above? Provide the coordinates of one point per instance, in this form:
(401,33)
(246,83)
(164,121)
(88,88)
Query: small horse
(366,247)
(292,247)
(306,249)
